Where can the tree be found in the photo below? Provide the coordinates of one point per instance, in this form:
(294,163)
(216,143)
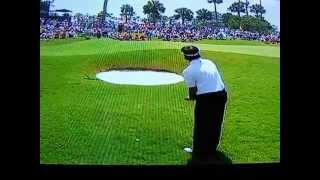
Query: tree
(226,18)
(238,7)
(264,26)
(257,9)
(164,19)
(246,6)
(248,23)
(145,20)
(45,6)
(136,18)
(127,12)
(274,29)
(104,11)
(204,15)
(172,19)
(231,21)
(260,12)
(215,2)
(154,9)
(183,14)
(100,15)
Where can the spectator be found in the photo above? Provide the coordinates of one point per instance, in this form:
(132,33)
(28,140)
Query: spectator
(50,28)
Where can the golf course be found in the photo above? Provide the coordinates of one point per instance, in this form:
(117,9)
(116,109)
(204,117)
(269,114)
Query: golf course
(84,120)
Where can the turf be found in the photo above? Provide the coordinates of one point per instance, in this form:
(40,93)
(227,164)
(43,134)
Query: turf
(232,42)
(85,121)
(51,43)
(100,47)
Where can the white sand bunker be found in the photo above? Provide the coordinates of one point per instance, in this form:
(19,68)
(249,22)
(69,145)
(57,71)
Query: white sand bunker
(147,78)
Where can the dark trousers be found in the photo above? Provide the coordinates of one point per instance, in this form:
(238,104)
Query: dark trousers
(209,112)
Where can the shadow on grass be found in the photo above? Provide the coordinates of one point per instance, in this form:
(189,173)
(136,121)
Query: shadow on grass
(220,158)
(223,157)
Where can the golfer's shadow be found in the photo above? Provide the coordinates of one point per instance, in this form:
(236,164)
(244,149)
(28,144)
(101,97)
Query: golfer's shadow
(223,158)
(219,159)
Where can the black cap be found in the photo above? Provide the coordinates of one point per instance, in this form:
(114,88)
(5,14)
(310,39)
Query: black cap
(190,51)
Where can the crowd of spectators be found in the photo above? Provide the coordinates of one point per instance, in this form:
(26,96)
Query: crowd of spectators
(88,26)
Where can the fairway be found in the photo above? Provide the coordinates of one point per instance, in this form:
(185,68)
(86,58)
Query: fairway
(88,121)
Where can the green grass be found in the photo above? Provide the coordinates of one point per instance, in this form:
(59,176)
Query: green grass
(103,46)
(231,42)
(60,41)
(228,42)
(93,122)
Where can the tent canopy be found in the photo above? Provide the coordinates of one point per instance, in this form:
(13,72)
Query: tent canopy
(63,10)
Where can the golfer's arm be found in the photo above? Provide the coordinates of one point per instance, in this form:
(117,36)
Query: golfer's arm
(192,93)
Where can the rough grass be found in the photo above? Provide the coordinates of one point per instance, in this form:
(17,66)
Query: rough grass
(93,122)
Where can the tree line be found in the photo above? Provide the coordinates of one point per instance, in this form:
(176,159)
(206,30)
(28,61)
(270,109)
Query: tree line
(240,15)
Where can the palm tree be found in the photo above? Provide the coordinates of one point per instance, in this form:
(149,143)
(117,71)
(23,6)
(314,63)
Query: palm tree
(262,11)
(247,5)
(45,6)
(105,5)
(154,9)
(257,9)
(183,14)
(127,12)
(204,15)
(215,2)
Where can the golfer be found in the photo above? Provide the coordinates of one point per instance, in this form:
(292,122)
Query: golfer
(207,88)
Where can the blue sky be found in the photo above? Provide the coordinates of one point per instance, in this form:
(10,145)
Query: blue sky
(94,6)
